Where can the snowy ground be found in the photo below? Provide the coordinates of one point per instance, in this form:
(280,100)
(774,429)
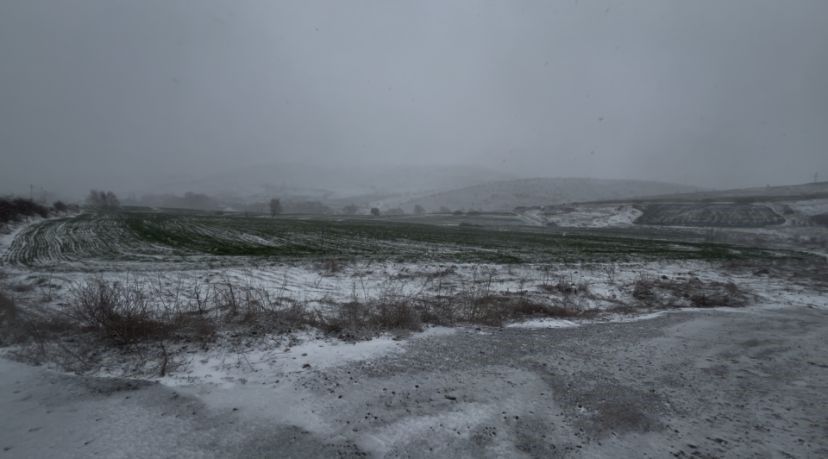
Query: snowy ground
(600,285)
(173,284)
(740,383)
(597,285)
(593,216)
(715,382)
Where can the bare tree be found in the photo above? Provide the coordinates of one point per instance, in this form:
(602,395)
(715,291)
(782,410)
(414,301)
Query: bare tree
(275,207)
(102,200)
(112,201)
(419,210)
(375,211)
(95,199)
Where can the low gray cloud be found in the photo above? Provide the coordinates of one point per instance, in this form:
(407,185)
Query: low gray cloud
(125,94)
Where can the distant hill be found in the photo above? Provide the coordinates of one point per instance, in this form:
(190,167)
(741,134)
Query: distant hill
(506,195)
(334,182)
(806,191)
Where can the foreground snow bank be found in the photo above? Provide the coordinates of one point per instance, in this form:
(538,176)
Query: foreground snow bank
(262,360)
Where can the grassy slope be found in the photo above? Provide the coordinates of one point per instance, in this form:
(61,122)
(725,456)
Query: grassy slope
(402,241)
(146,236)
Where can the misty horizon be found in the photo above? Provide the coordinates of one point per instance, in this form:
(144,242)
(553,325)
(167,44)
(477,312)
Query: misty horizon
(133,96)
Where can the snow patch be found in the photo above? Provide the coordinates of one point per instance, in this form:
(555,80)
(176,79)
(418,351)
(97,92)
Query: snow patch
(274,359)
(544,323)
(277,357)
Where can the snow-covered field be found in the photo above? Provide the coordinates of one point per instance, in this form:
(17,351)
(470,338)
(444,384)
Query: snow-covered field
(811,207)
(595,285)
(39,271)
(39,274)
(442,389)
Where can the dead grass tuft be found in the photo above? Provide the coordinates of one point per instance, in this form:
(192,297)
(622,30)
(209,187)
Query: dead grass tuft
(566,287)
(690,292)
(360,318)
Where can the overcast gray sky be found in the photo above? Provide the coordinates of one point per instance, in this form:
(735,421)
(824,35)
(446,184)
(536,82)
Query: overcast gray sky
(718,93)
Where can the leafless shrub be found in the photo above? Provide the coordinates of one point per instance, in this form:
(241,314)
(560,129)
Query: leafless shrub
(15,209)
(253,307)
(126,314)
(566,286)
(140,317)
(716,294)
(611,270)
(10,330)
(357,317)
(690,292)
(399,315)
(487,310)
(350,315)
(526,308)
(225,298)
(644,289)
(8,310)
(37,335)
(118,313)
(497,309)
(194,326)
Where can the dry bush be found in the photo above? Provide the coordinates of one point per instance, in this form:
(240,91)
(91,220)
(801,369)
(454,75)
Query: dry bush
(497,309)
(486,310)
(690,292)
(9,329)
(8,310)
(493,310)
(37,335)
(295,314)
(226,298)
(13,209)
(255,308)
(358,317)
(19,326)
(125,314)
(399,315)
(194,326)
(716,294)
(118,313)
(644,289)
(566,287)
(347,316)
(529,309)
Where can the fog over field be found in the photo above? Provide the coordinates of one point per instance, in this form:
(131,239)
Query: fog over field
(133,96)
(437,228)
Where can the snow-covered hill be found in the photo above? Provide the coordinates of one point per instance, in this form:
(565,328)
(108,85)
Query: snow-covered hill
(506,195)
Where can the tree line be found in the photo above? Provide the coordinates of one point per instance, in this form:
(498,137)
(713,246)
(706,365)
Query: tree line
(15,209)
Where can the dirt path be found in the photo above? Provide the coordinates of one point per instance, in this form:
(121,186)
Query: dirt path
(707,384)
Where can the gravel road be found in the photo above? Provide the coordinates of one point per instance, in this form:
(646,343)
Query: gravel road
(717,383)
